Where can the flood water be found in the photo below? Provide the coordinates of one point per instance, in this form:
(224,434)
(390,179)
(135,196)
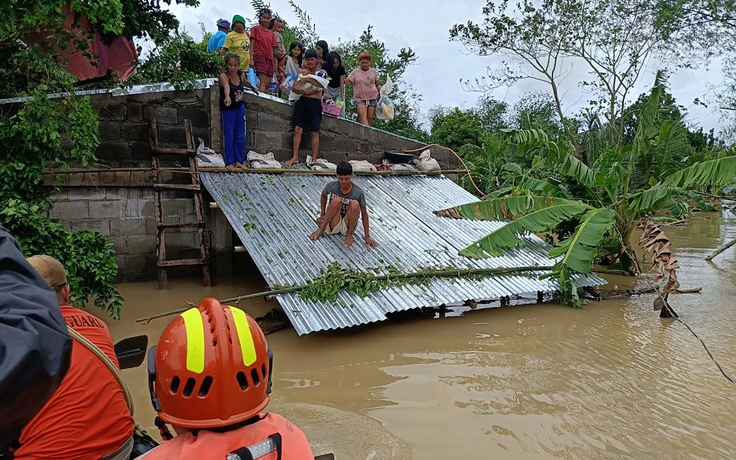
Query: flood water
(611,380)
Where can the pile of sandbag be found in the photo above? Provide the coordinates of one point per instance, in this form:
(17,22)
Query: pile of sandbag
(262,160)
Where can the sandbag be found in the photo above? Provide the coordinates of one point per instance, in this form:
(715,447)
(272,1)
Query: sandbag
(362,165)
(321,165)
(262,160)
(208,158)
(426,163)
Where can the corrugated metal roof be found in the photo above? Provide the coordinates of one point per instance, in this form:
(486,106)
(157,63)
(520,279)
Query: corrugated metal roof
(274,214)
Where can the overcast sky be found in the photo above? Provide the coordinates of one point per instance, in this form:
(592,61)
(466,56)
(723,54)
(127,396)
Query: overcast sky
(424,26)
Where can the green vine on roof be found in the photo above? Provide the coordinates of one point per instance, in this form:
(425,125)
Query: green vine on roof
(334,278)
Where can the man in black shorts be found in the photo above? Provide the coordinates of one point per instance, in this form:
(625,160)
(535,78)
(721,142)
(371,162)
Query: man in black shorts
(308,108)
(346,202)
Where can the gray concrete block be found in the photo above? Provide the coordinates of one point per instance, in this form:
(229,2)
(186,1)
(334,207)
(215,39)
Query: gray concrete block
(268,141)
(140,151)
(86,194)
(113,110)
(107,208)
(140,244)
(134,111)
(118,243)
(175,208)
(109,131)
(136,132)
(165,115)
(113,151)
(96,225)
(198,116)
(127,227)
(172,135)
(70,211)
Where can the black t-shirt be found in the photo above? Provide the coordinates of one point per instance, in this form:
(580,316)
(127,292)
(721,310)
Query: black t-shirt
(332,190)
(335,75)
(236,94)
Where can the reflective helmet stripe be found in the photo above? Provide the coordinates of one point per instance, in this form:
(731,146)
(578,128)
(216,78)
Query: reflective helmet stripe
(247,346)
(194,327)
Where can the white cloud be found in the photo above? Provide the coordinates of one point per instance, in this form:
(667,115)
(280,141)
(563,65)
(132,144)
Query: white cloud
(425,28)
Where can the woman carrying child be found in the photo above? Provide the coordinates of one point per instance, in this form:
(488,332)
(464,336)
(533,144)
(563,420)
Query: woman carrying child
(365,81)
(232,107)
(263,43)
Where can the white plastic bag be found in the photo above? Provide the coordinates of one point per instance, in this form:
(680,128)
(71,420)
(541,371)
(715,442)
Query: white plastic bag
(288,83)
(385,109)
(320,165)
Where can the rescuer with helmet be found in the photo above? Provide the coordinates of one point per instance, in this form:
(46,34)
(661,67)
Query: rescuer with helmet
(210,378)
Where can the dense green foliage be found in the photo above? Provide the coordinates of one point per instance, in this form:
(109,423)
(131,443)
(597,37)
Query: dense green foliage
(595,208)
(34,136)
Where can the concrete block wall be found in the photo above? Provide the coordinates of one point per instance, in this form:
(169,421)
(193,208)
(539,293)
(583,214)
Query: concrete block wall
(124,123)
(125,216)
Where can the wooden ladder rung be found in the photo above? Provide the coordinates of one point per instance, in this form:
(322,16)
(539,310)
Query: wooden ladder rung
(179,262)
(168,151)
(191,188)
(162,225)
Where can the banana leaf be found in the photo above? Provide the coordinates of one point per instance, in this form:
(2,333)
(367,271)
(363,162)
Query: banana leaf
(721,171)
(580,249)
(509,235)
(503,208)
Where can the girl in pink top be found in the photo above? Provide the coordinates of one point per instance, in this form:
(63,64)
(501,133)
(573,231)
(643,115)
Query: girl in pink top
(365,81)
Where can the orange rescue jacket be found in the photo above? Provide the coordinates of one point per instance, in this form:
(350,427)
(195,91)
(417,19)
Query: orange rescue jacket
(216,446)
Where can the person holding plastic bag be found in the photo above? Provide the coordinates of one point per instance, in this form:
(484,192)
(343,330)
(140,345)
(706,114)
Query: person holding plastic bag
(365,81)
(293,66)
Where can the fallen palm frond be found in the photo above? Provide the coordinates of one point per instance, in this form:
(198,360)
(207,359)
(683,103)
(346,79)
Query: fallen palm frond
(654,240)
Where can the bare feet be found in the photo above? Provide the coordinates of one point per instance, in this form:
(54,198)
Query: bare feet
(239,165)
(292,161)
(348,240)
(371,242)
(315,236)
(230,168)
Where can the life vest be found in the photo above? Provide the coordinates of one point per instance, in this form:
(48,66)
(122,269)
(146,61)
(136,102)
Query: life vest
(207,444)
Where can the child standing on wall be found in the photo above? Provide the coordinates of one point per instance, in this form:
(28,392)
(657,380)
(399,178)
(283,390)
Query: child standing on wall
(263,45)
(238,42)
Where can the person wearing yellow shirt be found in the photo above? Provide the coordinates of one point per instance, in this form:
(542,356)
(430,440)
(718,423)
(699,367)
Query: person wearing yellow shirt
(238,42)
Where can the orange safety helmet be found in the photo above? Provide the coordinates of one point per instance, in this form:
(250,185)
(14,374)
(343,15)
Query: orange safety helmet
(211,368)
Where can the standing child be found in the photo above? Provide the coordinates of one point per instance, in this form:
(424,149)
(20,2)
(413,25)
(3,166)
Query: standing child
(322,51)
(336,72)
(238,42)
(279,51)
(365,81)
(232,107)
(263,45)
(294,61)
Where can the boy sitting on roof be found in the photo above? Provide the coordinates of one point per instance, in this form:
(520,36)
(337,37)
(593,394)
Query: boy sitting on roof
(345,200)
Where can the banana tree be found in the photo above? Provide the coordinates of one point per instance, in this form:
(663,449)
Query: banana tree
(605,209)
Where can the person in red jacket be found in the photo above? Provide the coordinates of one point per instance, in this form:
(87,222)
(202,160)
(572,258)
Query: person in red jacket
(87,417)
(210,378)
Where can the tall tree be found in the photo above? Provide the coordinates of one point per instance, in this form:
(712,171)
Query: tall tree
(612,41)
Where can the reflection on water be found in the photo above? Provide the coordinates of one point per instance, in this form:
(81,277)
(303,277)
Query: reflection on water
(611,380)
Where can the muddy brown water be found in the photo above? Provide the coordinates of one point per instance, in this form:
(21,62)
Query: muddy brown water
(611,380)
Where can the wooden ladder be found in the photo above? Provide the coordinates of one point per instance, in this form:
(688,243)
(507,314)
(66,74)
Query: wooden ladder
(195,187)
